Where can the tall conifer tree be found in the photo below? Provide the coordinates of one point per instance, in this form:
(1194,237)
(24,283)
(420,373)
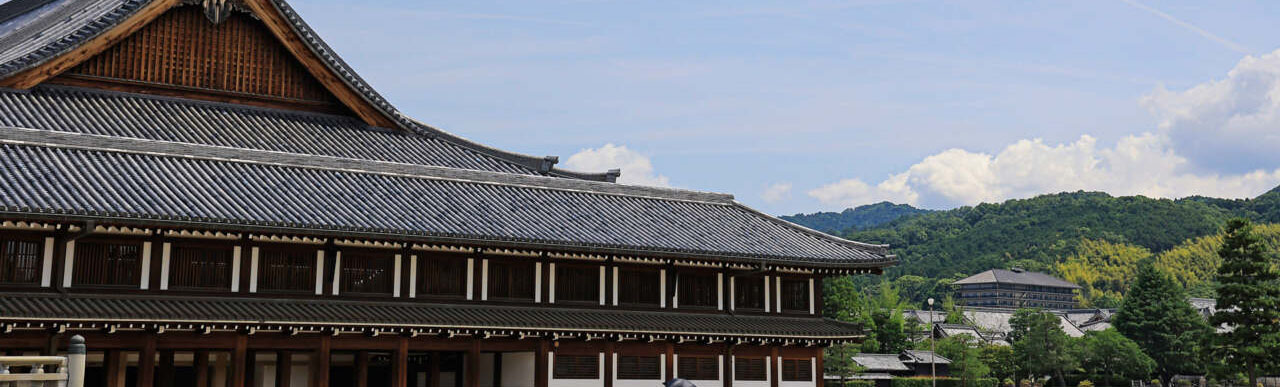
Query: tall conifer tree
(1157,315)
(1248,302)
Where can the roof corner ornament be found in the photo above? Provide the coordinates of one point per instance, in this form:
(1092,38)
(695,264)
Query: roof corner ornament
(217,11)
(612,175)
(547,163)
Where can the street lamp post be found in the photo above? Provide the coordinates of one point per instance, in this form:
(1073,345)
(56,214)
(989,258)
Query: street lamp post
(933,365)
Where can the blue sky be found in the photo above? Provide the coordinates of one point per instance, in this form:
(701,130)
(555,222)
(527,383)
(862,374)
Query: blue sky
(806,106)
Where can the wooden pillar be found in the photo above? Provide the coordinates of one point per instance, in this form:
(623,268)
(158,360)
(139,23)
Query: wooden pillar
(362,369)
(116,364)
(165,375)
(401,367)
(608,363)
(728,364)
(775,371)
(817,367)
(202,368)
(540,378)
(284,368)
(320,363)
(671,361)
(472,364)
(433,370)
(239,359)
(497,368)
(147,362)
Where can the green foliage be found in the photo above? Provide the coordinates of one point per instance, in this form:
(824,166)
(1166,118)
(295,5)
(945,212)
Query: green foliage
(1001,360)
(1248,302)
(965,354)
(1195,262)
(880,314)
(1112,359)
(1040,345)
(1156,315)
(1085,383)
(1103,269)
(862,217)
(944,382)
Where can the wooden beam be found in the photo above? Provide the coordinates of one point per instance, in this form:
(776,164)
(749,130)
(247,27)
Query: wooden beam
(284,368)
(320,364)
(317,67)
(433,369)
(362,369)
(239,361)
(147,362)
(165,374)
(35,75)
(115,363)
(540,363)
(401,366)
(671,361)
(202,368)
(472,365)
(727,366)
(608,363)
(775,374)
(817,368)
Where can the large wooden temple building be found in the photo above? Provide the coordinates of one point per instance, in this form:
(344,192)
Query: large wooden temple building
(209,195)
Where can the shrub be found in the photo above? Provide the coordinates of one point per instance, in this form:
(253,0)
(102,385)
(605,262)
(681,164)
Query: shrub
(1085,383)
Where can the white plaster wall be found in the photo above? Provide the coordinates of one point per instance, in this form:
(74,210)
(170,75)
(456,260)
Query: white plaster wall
(758,383)
(517,369)
(813,363)
(551,365)
(662,370)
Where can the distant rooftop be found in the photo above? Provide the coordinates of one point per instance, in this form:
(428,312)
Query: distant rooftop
(1016,276)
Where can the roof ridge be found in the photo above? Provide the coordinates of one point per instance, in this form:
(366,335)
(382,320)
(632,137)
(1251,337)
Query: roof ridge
(94,142)
(882,249)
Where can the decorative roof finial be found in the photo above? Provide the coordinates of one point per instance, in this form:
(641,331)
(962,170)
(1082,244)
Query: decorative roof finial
(217,10)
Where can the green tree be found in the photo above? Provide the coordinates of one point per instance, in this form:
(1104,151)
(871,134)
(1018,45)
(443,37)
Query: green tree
(1001,360)
(890,329)
(1109,358)
(965,355)
(1248,302)
(844,302)
(1156,315)
(1040,345)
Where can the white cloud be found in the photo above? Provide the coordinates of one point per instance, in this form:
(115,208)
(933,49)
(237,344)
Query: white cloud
(776,192)
(636,167)
(1136,165)
(1228,125)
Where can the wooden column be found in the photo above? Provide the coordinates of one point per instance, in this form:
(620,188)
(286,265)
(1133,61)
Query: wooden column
(472,364)
(116,364)
(239,359)
(165,375)
(284,368)
(497,369)
(320,363)
(671,361)
(775,371)
(608,363)
(147,362)
(362,369)
(817,367)
(728,364)
(401,366)
(540,373)
(202,368)
(433,370)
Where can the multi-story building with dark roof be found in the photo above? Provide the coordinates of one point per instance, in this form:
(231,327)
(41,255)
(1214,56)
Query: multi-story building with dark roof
(1016,288)
(210,196)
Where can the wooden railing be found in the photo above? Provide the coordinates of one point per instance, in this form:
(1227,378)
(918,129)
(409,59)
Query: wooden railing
(67,371)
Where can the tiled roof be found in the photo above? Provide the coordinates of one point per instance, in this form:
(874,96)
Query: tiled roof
(917,356)
(19,307)
(46,32)
(880,362)
(116,178)
(1016,277)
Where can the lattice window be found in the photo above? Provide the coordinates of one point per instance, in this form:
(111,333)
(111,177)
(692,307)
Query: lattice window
(698,289)
(287,270)
(193,266)
(748,293)
(797,370)
(367,273)
(577,283)
(511,279)
(639,368)
(639,287)
(107,264)
(795,295)
(698,367)
(576,367)
(20,261)
(750,369)
(442,276)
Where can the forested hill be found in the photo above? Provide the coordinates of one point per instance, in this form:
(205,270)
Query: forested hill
(862,217)
(1044,232)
